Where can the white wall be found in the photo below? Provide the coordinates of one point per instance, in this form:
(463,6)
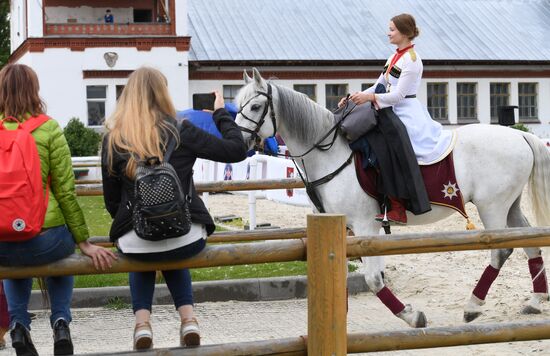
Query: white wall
(87,14)
(35,20)
(64,90)
(17,23)
(181,18)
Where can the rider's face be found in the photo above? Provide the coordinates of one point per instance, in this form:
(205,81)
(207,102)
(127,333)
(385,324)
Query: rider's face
(395,36)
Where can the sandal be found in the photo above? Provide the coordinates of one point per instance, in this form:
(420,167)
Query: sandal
(189,333)
(143,336)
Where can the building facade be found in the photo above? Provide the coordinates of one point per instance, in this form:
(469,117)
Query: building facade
(478,55)
(83,62)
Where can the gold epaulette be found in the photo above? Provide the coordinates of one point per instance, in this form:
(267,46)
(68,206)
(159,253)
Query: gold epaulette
(412,54)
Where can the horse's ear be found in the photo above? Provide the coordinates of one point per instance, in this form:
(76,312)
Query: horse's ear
(246,77)
(258,78)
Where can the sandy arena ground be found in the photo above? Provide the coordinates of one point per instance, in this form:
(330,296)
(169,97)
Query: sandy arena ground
(437,283)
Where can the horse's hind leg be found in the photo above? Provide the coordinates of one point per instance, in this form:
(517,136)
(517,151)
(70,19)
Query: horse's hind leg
(540,283)
(473,309)
(374,280)
(536,264)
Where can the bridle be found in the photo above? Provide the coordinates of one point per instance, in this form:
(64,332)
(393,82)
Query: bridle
(256,137)
(260,122)
(310,186)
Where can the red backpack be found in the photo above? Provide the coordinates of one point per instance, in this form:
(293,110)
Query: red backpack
(23,203)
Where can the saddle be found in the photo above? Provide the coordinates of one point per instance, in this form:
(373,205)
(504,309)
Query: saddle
(439,178)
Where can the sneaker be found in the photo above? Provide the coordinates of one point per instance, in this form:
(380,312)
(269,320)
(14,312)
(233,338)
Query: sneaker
(62,342)
(21,341)
(189,333)
(143,336)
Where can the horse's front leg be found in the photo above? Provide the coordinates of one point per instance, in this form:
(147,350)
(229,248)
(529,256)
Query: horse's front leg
(375,282)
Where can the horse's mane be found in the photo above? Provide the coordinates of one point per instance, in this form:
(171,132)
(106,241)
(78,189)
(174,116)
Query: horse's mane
(301,115)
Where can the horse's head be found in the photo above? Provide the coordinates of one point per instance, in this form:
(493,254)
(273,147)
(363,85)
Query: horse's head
(256,116)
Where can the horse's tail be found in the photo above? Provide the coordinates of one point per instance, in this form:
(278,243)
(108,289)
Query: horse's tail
(539,181)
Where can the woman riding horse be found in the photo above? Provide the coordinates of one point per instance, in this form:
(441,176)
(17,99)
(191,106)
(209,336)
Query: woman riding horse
(401,79)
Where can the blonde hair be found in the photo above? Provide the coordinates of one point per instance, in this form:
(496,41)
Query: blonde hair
(140,119)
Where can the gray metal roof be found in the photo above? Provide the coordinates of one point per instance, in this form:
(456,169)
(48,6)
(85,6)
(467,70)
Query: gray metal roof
(327,30)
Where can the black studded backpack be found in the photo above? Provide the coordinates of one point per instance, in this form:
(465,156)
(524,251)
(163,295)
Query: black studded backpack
(161,209)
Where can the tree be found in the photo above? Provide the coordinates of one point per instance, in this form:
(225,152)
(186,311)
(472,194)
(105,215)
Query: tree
(83,141)
(4,32)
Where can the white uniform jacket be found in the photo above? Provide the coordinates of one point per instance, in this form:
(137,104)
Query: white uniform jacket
(430,142)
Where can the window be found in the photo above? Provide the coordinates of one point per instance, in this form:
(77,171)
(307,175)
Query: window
(143,15)
(334,92)
(96,96)
(500,96)
(308,89)
(437,101)
(119,90)
(466,102)
(528,108)
(230,92)
(365,86)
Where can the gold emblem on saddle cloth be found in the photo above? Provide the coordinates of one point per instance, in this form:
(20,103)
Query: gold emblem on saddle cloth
(450,190)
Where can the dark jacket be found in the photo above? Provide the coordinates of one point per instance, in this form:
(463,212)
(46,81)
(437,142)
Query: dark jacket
(401,176)
(118,190)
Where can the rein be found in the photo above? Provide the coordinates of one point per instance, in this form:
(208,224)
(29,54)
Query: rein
(310,186)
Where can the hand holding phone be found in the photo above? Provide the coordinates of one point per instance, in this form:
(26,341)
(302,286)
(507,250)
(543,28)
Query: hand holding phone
(204,101)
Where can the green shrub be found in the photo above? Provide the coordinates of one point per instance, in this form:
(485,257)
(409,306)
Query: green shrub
(82,140)
(520,127)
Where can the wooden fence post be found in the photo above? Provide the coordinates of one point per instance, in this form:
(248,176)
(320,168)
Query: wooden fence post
(326,290)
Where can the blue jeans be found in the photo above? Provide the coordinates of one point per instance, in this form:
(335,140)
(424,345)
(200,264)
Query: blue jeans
(142,284)
(51,245)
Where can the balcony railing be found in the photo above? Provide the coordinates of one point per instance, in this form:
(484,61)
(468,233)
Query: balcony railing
(130,29)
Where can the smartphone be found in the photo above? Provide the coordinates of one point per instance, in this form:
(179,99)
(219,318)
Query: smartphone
(203,101)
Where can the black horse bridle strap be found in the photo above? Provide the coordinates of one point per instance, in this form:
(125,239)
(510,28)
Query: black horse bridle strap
(310,186)
(268,107)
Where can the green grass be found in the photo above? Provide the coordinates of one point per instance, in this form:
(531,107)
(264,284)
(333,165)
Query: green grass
(99,222)
(117,303)
(97,217)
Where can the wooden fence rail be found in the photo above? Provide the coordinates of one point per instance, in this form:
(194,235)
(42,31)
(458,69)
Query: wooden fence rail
(211,256)
(232,236)
(217,186)
(401,244)
(295,250)
(471,334)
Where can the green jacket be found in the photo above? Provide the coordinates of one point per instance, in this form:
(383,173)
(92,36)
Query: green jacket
(55,162)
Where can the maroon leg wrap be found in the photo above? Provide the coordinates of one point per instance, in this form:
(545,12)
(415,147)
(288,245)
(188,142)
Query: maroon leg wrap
(538,275)
(386,296)
(487,278)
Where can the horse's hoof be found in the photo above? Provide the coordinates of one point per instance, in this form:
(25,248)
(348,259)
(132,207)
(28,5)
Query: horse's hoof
(534,306)
(470,316)
(416,319)
(528,309)
(421,321)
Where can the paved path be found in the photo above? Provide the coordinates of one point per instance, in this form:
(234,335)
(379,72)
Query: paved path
(99,330)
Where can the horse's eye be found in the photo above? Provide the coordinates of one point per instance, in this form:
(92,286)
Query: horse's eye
(256,107)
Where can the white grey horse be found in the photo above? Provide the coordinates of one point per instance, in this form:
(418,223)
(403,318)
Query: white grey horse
(492,166)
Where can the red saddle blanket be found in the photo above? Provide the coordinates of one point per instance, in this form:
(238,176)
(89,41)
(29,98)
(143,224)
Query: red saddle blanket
(439,179)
